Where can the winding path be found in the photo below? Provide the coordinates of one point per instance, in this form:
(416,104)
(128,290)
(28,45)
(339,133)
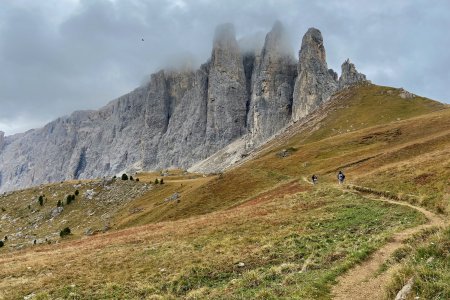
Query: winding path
(364,281)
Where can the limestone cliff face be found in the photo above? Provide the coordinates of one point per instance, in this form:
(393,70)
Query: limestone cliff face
(232,103)
(227,91)
(315,83)
(184,141)
(273,78)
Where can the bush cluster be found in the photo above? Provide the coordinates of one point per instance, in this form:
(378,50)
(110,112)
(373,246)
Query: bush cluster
(64,232)
(70,198)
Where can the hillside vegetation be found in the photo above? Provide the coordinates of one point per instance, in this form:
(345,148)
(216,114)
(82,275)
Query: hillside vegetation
(259,230)
(400,141)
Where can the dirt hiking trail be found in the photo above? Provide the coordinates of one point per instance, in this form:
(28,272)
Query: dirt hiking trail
(364,281)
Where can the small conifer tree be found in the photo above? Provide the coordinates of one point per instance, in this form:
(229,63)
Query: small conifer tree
(124,176)
(156,181)
(41,200)
(64,232)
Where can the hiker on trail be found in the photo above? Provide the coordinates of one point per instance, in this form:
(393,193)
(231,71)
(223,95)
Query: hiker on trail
(314,179)
(341,177)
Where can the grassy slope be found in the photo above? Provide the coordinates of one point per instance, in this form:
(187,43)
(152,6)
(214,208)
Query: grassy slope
(366,132)
(365,123)
(197,258)
(428,264)
(23,220)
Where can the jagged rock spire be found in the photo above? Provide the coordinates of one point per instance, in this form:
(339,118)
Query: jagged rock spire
(227,92)
(315,83)
(312,50)
(349,75)
(277,42)
(272,86)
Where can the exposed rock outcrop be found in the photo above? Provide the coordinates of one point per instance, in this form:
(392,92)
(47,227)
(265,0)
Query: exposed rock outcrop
(184,141)
(227,91)
(272,87)
(233,103)
(349,75)
(404,94)
(315,83)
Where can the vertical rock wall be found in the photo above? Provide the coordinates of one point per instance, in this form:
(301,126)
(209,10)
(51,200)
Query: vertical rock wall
(315,83)
(272,87)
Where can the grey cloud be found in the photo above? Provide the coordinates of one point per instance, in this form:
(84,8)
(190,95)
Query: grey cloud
(59,56)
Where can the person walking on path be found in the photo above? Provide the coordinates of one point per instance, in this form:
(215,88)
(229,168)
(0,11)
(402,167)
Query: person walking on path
(341,177)
(314,179)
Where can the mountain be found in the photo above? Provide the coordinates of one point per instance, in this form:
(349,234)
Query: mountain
(259,230)
(180,118)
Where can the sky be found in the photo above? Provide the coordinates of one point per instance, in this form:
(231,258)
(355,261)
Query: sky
(58,56)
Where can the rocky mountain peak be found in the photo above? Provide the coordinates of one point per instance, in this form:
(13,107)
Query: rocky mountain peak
(223,34)
(272,86)
(349,75)
(226,55)
(312,48)
(227,90)
(315,82)
(277,42)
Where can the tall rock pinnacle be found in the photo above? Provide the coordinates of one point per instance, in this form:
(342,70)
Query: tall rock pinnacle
(227,92)
(273,85)
(349,75)
(315,83)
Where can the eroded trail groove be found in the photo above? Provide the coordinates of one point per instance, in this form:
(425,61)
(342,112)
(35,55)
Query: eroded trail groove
(363,281)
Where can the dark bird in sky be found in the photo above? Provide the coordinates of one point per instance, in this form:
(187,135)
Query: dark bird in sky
(142,39)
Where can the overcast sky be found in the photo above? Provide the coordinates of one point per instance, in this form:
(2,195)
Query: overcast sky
(57,56)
